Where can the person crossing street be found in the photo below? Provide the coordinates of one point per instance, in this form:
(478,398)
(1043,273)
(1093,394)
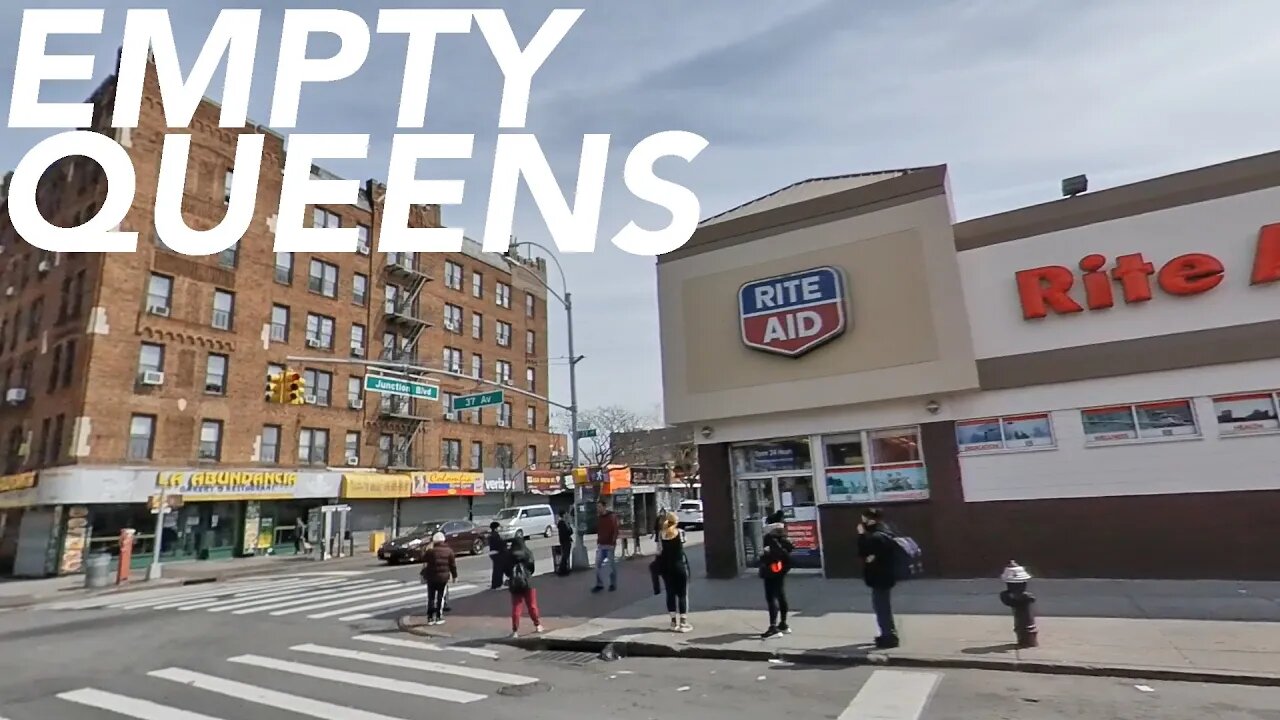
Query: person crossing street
(439,568)
(607,527)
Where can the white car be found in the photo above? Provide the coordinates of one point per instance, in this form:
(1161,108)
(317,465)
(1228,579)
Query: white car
(526,521)
(689,515)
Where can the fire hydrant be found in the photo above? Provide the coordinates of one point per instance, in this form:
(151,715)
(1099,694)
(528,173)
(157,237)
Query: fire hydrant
(1015,596)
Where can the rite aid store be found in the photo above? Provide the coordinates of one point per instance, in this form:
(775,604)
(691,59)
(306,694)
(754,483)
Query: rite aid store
(1088,386)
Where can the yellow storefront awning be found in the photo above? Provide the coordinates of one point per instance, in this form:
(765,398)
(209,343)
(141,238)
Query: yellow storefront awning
(376,485)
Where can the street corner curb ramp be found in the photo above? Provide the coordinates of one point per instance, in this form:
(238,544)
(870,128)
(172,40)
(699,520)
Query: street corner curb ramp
(630,648)
(417,625)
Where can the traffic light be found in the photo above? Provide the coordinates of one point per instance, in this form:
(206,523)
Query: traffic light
(296,388)
(275,388)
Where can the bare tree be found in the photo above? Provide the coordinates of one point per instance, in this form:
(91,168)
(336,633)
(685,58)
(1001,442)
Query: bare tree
(607,421)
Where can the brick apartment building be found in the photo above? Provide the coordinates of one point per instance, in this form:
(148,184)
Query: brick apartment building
(124,372)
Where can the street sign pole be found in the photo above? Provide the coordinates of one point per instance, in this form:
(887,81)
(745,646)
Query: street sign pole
(153,570)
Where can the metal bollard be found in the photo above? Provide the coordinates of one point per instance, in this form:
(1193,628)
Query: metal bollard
(1016,597)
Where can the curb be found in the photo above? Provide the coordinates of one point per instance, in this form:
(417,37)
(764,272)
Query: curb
(834,659)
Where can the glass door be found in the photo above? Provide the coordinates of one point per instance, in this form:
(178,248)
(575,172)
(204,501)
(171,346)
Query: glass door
(800,513)
(756,501)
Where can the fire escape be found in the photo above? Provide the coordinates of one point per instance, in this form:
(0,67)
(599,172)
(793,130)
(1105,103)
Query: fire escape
(402,416)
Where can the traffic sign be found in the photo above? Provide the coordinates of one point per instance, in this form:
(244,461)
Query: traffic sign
(404,388)
(479,400)
(587,433)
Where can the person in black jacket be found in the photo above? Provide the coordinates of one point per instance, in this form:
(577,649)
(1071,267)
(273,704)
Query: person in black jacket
(672,565)
(520,570)
(497,556)
(775,563)
(876,547)
(566,542)
(439,568)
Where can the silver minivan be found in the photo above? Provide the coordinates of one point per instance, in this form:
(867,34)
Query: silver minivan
(526,521)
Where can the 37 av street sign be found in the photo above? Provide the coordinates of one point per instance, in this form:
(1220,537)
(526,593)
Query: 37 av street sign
(403,388)
(795,313)
(479,400)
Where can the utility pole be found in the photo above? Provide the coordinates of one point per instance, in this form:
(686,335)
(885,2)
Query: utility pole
(153,570)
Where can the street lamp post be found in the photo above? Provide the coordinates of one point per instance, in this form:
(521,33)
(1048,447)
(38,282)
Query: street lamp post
(578,559)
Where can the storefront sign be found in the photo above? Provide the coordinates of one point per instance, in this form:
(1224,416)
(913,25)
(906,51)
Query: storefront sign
(74,540)
(376,486)
(648,476)
(1047,288)
(15,483)
(793,314)
(448,484)
(232,485)
(544,482)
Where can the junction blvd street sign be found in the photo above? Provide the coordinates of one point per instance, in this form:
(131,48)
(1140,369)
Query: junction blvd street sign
(795,313)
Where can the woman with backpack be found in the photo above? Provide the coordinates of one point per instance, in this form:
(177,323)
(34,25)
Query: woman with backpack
(520,570)
(672,565)
(775,563)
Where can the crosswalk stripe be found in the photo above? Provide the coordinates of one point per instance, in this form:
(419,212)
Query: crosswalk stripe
(270,593)
(456,592)
(290,608)
(389,599)
(352,678)
(176,600)
(133,707)
(257,602)
(892,695)
(412,664)
(419,645)
(263,696)
(141,598)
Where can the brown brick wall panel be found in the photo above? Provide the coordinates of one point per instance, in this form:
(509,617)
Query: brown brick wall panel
(720,539)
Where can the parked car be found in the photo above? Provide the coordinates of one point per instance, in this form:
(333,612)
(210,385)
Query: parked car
(464,536)
(526,521)
(689,514)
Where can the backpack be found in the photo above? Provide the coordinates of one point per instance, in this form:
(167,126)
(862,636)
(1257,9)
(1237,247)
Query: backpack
(907,562)
(519,577)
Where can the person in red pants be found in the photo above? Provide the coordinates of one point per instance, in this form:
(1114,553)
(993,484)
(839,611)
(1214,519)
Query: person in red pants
(520,570)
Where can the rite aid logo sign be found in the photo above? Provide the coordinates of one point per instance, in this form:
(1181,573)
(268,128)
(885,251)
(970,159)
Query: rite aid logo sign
(795,313)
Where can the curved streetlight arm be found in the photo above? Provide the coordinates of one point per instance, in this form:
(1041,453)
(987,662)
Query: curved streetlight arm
(564,282)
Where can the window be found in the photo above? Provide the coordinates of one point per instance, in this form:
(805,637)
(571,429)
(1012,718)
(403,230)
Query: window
(1013,432)
(269,447)
(531,417)
(384,450)
(77,295)
(351,448)
(363,236)
(215,374)
(226,186)
(503,372)
(223,309)
(875,466)
(504,334)
(357,339)
(59,432)
(477,326)
(319,384)
(530,379)
(1145,421)
(453,318)
(230,257)
(451,359)
(313,446)
(529,304)
(504,454)
(322,218)
(1246,414)
(477,455)
(504,415)
(355,390)
(142,437)
(46,427)
(55,369)
(34,314)
(531,456)
(360,289)
(477,285)
(150,358)
(284,268)
(68,362)
(452,275)
(502,295)
(211,440)
(450,453)
(530,341)
(64,299)
(159,294)
(446,403)
(477,365)
(279,323)
(320,330)
(323,278)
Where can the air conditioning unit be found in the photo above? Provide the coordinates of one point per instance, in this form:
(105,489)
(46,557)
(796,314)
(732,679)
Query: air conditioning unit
(357,350)
(453,326)
(152,377)
(311,399)
(15,395)
(314,343)
(353,461)
(363,248)
(158,310)
(44,266)
(451,416)
(10,291)
(277,333)
(355,403)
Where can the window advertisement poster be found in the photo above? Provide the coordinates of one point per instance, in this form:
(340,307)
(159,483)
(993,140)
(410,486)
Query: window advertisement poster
(900,481)
(781,455)
(847,484)
(1028,431)
(1171,418)
(1246,414)
(979,435)
(1108,424)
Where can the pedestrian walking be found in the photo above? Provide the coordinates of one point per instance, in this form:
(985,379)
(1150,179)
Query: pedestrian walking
(775,563)
(606,547)
(520,571)
(566,542)
(673,568)
(300,542)
(439,568)
(876,547)
(497,556)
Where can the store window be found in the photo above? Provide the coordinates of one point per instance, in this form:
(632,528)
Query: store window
(777,456)
(1012,432)
(1247,414)
(875,466)
(1143,421)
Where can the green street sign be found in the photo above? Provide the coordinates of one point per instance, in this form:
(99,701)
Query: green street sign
(587,433)
(404,388)
(479,400)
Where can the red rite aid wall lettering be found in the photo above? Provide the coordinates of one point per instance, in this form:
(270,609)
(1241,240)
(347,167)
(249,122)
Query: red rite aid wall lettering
(1128,278)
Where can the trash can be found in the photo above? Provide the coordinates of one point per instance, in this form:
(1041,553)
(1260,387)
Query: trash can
(97,571)
(557,553)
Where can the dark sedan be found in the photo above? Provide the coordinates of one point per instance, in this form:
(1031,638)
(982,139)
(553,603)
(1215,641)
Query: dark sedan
(465,537)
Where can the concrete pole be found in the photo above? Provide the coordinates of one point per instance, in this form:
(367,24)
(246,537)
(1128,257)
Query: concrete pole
(579,560)
(153,570)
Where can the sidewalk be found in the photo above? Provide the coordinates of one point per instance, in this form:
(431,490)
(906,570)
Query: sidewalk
(1198,631)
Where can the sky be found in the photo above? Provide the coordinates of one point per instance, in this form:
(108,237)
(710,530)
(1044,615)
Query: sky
(1013,95)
